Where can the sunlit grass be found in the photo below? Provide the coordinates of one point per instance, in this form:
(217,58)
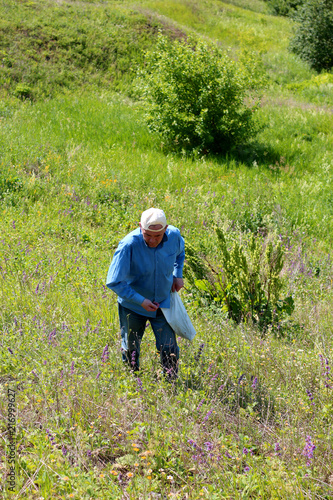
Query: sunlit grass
(80,169)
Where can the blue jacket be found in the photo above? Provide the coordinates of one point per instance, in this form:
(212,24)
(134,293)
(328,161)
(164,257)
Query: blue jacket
(138,272)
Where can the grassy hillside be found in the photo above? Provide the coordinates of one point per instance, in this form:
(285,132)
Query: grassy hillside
(251,415)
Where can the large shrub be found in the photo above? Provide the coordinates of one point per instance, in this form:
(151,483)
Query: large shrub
(284,7)
(195,95)
(313,38)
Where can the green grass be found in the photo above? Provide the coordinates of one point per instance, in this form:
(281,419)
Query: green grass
(76,171)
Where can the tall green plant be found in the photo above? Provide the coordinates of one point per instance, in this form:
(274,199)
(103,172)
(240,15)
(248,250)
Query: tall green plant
(195,95)
(284,7)
(246,282)
(313,38)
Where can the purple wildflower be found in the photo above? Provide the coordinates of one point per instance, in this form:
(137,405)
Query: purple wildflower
(277,449)
(209,445)
(197,356)
(52,334)
(133,359)
(9,349)
(105,354)
(310,396)
(139,384)
(254,383)
(308,450)
(208,415)
(200,454)
(246,469)
(326,370)
(34,374)
(51,437)
(98,374)
(245,451)
(227,454)
(64,450)
(327,373)
(72,368)
(200,404)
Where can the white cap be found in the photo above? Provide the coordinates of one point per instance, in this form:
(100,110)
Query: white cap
(153,217)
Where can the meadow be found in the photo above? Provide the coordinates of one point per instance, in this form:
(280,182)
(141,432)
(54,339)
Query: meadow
(251,414)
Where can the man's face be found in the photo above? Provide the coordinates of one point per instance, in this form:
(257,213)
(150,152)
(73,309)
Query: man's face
(153,238)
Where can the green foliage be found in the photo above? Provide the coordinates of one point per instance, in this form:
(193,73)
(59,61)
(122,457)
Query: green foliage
(47,48)
(23,91)
(76,172)
(284,7)
(195,94)
(313,40)
(10,183)
(246,283)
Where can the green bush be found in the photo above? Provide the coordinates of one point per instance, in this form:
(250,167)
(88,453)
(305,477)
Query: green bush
(246,283)
(195,95)
(284,7)
(9,182)
(313,37)
(23,91)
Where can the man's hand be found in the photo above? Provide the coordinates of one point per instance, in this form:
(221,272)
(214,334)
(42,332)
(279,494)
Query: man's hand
(149,306)
(177,284)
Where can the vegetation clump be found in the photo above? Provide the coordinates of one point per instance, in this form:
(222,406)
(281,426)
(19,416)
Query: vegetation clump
(313,37)
(46,50)
(246,283)
(284,7)
(195,95)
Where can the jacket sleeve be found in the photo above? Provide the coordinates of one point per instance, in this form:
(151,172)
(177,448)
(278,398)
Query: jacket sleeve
(179,264)
(119,275)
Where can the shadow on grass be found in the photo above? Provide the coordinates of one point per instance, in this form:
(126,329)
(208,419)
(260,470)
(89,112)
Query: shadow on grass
(249,154)
(253,154)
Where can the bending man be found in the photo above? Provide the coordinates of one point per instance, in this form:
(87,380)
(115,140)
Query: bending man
(145,268)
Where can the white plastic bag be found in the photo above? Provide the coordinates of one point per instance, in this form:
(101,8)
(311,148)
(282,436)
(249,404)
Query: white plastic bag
(178,318)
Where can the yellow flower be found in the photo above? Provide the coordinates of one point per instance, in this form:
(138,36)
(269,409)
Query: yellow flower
(129,474)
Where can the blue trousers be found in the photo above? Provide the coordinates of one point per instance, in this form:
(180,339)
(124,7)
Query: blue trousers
(133,326)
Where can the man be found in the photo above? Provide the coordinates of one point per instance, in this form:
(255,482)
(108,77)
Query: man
(145,268)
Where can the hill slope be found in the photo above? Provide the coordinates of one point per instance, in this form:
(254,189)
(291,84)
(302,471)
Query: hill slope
(251,415)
